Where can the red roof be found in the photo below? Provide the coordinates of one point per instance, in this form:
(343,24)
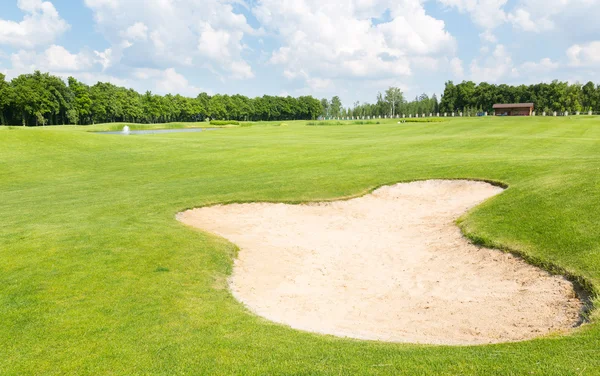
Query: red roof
(514,105)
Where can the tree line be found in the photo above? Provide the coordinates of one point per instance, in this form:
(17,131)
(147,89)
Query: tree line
(469,98)
(390,103)
(44,99)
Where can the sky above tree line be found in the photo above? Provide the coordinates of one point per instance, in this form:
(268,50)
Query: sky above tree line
(350,48)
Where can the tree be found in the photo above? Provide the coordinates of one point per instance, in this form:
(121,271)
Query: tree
(28,96)
(41,99)
(588,96)
(435,105)
(5,98)
(335,107)
(325,106)
(394,98)
(82,103)
(449,98)
(73,116)
(216,107)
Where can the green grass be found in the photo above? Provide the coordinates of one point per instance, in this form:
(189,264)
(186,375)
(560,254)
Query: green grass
(97,277)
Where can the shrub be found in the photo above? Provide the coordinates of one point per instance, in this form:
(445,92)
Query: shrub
(224,122)
(324,123)
(367,122)
(343,123)
(427,120)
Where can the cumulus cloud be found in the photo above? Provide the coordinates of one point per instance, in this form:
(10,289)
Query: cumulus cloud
(487,14)
(456,67)
(488,36)
(521,18)
(545,65)
(40,26)
(164,81)
(326,42)
(528,15)
(584,55)
(493,68)
(53,59)
(201,33)
(223,46)
(545,15)
(137,31)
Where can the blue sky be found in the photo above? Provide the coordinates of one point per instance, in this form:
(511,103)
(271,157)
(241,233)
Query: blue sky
(350,48)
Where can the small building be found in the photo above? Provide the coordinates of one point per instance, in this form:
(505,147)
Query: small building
(514,109)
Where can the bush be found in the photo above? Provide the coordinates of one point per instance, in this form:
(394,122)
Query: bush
(363,122)
(224,122)
(427,120)
(312,123)
(342,123)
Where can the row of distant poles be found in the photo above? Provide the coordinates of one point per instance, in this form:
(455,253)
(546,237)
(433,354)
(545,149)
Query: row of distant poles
(403,116)
(445,114)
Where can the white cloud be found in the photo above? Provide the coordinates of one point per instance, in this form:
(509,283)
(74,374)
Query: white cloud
(53,59)
(325,43)
(494,68)
(487,14)
(40,26)
(319,84)
(164,81)
(584,55)
(521,19)
(529,15)
(160,81)
(137,31)
(543,66)
(167,33)
(488,36)
(222,46)
(59,61)
(546,15)
(456,66)
(426,63)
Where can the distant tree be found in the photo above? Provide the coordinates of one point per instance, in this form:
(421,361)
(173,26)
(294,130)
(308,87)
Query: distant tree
(449,98)
(81,101)
(217,108)
(394,97)
(325,106)
(5,98)
(41,99)
(335,106)
(30,97)
(435,105)
(588,96)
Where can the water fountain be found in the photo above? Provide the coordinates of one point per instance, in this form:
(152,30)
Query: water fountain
(126,130)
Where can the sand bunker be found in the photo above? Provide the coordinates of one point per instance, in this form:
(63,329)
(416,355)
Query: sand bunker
(389,266)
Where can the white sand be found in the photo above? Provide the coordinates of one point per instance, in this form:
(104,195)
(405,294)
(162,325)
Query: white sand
(389,266)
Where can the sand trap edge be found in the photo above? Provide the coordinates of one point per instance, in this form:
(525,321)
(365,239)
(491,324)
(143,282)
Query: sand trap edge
(586,292)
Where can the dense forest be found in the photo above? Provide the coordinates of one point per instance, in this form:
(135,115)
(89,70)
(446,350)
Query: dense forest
(43,99)
(470,98)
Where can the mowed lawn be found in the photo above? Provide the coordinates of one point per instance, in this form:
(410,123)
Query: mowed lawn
(98,278)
